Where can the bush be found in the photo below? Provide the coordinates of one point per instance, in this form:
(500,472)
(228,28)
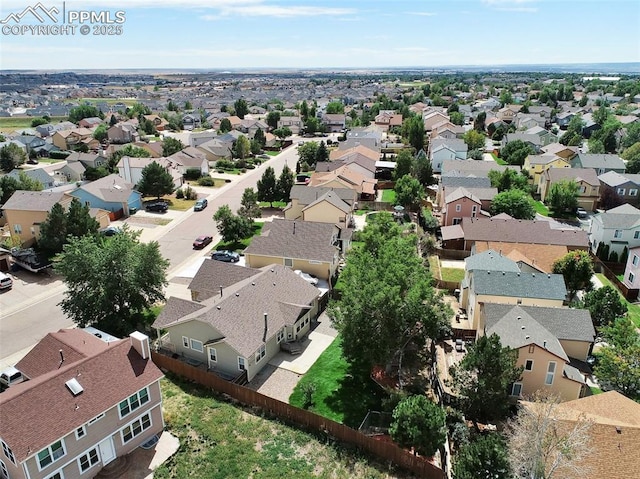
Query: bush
(59,155)
(192,174)
(225,164)
(179,193)
(243,170)
(206,181)
(308,390)
(250,167)
(241,163)
(189,193)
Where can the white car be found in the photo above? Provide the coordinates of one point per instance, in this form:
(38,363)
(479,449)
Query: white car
(307,277)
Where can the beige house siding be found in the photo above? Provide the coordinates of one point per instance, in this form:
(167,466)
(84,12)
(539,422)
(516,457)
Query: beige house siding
(325,212)
(294,211)
(474,301)
(534,380)
(576,349)
(321,270)
(28,222)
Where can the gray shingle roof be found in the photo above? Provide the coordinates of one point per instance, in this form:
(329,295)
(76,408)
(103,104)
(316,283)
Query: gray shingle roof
(308,194)
(622,217)
(33,200)
(215,274)
(333,199)
(474,166)
(37,174)
(593,160)
(519,285)
(112,188)
(490,260)
(588,175)
(174,309)
(465,182)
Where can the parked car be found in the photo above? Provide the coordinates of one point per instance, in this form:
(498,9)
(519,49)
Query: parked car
(157,206)
(581,213)
(307,277)
(5,281)
(202,241)
(226,256)
(110,231)
(200,204)
(11,376)
(459,345)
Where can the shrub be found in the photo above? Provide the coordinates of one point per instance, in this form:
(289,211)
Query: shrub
(190,194)
(225,164)
(179,193)
(250,167)
(206,181)
(243,170)
(308,390)
(59,155)
(241,163)
(192,174)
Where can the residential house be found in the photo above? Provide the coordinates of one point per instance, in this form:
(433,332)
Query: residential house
(213,275)
(530,258)
(586,178)
(24,211)
(294,123)
(190,158)
(191,121)
(360,159)
(310,203)
(310,246)
(546,137)
(558,149)
(441,149)
(93,397)
(617,188)
(73,138)
(632,269)
(37,174)
(552,344)
(221,146)
(111,193)
(198,138)
(88,160)
(478,186)
(525,122)
(91,122)
(154,148)
(461,203)
(70,172)
(599,162)
(159,123)
(473,168)
(619,228)
(543,111)
(508,113)
(534,141)
(446,129)
(387,119)
(48,129)
(130,169)
(564,118)
(432,118)
(122,133)
(249,127)
(536,165)
(238,331)
(334,122)
(346,177)
(31,143)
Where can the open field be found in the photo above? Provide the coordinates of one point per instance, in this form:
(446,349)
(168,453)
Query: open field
(9,124)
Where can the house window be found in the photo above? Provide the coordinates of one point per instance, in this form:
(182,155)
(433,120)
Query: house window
(458,208)
(516,389)
(617,234)
(631,277)
(633,192)
(4,473)
(635,259)
(260,353)
(636,234)
(185,341)
(551,372)
(457,221)
(88,460)
(50,454)
(8,452)
(81,432)
(17,229)
(213,355)
(134,402)
(621,191)
(96,419)
(280,335)
(135,428)
(474,211)
(519,301)
(197,345)
(532,348)
(528,365)
(583,189)
(241,364)
(288,262)
(57,475)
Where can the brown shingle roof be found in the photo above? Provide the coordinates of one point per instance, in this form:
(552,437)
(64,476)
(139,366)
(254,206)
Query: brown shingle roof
(540,256)
(174,309)
(588,175)
(112,188)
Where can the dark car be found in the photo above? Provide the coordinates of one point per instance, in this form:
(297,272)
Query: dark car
(226,256)
(110,231)
(158,206)
(200,204)
(202,241)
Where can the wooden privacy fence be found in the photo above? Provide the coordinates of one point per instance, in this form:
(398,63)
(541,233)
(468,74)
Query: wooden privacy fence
(630,294)
(382,449)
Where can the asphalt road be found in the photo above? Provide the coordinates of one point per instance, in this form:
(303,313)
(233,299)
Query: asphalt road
(28,320)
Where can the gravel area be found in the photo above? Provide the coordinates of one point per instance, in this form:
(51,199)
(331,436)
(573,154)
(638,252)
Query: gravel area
(274,382)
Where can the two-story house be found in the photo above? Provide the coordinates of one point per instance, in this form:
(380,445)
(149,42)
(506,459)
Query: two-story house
(122,133)
(617,188)
(294,123)
(536,165)
(586,178)
(442,149)
(599,162)
(619,228)
(311,203)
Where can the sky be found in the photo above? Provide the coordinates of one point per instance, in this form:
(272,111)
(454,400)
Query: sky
(233,34)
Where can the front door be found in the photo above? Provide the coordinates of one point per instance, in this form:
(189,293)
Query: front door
(107,451)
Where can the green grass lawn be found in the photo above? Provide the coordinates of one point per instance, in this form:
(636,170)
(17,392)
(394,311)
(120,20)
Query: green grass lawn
(595,390)
(239,246)
(452,274)
(500,161)
(541,208)
(219,440)
(272,153)
(633,310)
(341,394)
(275,204)
(389,196)
(178,204)
(9,124)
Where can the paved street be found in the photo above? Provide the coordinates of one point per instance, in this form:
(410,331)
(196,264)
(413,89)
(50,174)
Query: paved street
(30,310)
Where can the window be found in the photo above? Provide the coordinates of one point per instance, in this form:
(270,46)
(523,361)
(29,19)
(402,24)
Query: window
(516,389)
(280,335)
(636,234)
(50,454)
(474,211)
(617,234)
(96,419)
(528,365)
(241,364)
(583,189)
(8,452)
(260,353)
(134,402)
(88,460)
(4,473)
(519,301)
(17,229)
(81,432)
(551,372)
(57,475)
(631,277)
(135,428)
(288,262)
(457,221)
(458,208)
(213,355)
(532,348)
(196,345)
(635,259)
(633,192)
(185,341)
(621,191)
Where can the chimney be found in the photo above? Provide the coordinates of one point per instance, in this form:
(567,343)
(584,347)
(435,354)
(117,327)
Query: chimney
(61,358)
(221,291)
(544,344)
(266,327)
(140,342)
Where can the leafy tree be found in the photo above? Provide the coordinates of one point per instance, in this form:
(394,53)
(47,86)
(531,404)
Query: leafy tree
(38,121)
(605,306)
(321,153)
(409,192)
(242,147)
(155,181)
(632,156)
(609,198)
(304,110)
(563,197)
(225,125)
(516,203)
(486,457)
(188,106)
(474,140)
(92,174)
(268,186)
(111,281)
(79,220)
(307,152)
(171,146)
(419,423)
(11,156)
(539,449)
(272,119)
(53,230)
(573,135)
(254,147)
(632,135)
(9,185)
(283,132)
(284,184)
(484,377)
(404,164)
(127,150)
(479,121)
(100,133)
(423,170)
(596,146)
(232,228)
(506,98)
(172,106)
(413,129)
(312,125)
(577,268)
(250,207)
(83,111)
(260,138)
(241,107)
(508,179)
(113,120)
(515,152)
(334,107)
(146,126)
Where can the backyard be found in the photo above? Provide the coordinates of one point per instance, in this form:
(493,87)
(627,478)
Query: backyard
(388,196)
(541,208)
(220,440)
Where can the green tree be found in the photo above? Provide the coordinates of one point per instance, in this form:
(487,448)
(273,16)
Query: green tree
(632,157)
(474,140)
(171,146)
(127,150)
(479,121)
(155,181)
(79,220)
(516,203)
(113,120)
(81,112)
(242,147)
(53,231)
(419,423)
(632,135)
(409,192)
(282,133)
(573,135)
(484,377)
(225,125)
(404,164)
(321,153)
(563,197)
(334,107)
(423,170)
(486,457)
(172,106)
(268,186)
(100,133)
(605,306)
(254,147)
(232,228)
(413,130)
(273,117)
(515,152)
(11,156)
(260,138)
(38,121)
(250,207)
(508,179)
(9,185)
(307,152)
(111,281)
(506,98)
(92,174)
(284,184)
(456,118)
(312,125)
(241,108)
(304,110)
(577,269)
(596,146)
(188,106)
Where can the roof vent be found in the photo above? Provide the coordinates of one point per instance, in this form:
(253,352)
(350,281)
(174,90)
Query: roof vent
(544,344)
(548,275)
(522,327)
(218,307)
(74,386)
(527,337)
(237,295)
(519,318)
(533,274)
(274,284)
(253,283)
(618,429)
(503,273)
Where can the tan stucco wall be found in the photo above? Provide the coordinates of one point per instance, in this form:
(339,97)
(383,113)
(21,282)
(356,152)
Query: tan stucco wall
(323,270)
(576,349)
(534,380)
(27,220)
(325,212)
(295,211)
